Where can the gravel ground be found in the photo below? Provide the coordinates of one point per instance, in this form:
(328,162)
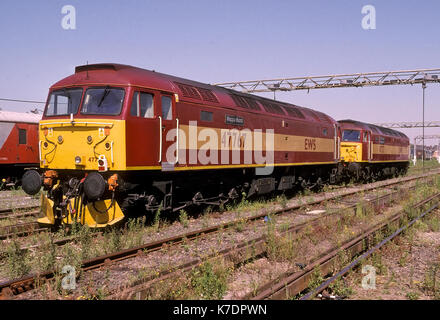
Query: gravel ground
(403,271)
(111,277)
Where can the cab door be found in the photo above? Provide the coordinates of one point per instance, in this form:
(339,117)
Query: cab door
(142,130)
(368,145)
(25,151)
(169,132)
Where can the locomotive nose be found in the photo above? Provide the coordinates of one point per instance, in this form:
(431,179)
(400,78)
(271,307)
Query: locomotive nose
(31,182)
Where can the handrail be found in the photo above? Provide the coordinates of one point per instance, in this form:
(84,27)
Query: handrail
(177,141)
(160,139)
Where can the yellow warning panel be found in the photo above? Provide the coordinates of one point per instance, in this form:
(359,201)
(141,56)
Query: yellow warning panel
(351,152)
(98,214)
(47,211)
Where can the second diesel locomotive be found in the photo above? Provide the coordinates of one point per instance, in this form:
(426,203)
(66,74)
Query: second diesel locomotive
(116,139)
(371,152)
(18,146)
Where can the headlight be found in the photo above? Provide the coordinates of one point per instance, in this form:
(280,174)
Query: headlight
(60,139)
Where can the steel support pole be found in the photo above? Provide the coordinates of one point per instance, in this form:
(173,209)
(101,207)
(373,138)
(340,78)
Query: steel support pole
(423,127)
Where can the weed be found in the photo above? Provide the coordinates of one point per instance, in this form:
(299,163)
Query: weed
(183,218)
(209,280)
(433,223)
(431,279)
(280,248)
(46,261)
(157,218)
(376,258)
(403,259)
(412,295)
(339,288)
(135,231)
(85,240)
(282,200)
(316,279)
(16,261)
(239,225)
(112,241)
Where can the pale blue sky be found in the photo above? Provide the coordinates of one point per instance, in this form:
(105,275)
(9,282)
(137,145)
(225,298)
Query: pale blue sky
(218,41)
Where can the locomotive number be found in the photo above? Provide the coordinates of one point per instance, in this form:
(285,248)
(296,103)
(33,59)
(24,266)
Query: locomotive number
(93,159)
(234,139)
(310,144)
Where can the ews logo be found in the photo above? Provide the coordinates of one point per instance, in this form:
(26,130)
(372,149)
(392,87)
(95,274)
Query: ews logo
(310,144)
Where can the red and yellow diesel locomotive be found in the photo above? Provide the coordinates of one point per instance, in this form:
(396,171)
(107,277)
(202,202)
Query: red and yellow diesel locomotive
(18,146)
(373,152)
(109,136)
(117,140)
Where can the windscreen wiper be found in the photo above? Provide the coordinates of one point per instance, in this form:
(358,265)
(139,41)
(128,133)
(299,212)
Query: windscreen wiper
(67,93)
(106,92)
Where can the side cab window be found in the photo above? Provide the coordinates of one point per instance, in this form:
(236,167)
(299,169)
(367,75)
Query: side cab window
(167,107)
(142,105)
(365,135)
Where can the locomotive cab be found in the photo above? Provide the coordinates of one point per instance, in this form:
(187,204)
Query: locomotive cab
(90,136)
(81,136)
(356,145)
(372,152)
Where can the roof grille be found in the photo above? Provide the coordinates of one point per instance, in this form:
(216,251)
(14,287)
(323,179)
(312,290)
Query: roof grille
(311,113)
(188,91)
(323,117)
(293,112)
(207,95)
(198,93)
(272,108)
(245,102)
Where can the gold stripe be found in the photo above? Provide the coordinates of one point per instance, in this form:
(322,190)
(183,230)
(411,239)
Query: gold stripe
(389,149)
(391,161)
(144,168)
(282,142)
(229,166)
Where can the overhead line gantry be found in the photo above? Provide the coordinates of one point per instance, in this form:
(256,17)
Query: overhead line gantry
(402,77)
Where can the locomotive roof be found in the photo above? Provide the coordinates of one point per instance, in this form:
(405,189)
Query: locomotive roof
(10,116)
(189,90)
(374,128)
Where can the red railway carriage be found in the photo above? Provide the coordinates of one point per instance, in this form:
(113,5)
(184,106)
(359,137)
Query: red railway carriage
(118,134)
(371,151)
(18,145)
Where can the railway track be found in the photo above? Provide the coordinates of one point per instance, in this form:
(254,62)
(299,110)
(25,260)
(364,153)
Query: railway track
(20,230)
(10,214)
(257,247)
(292,284)
(11,288)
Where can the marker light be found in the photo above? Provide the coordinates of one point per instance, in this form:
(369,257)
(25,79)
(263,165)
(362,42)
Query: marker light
(102,163)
